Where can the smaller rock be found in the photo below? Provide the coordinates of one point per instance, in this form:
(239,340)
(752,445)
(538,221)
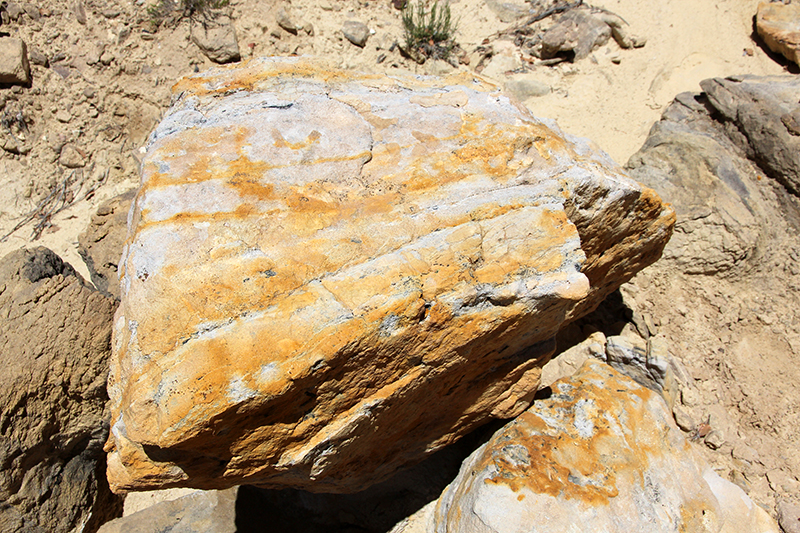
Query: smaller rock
(71,157)
(32,11)
(356,32)
(792,122)
(578,32)
(284,19)
(63,116)
(107,58)
(37,58)
(80,12)
(714,440)
(779,25)
(309,29)
(526,86)
(217,39)
(789,516)
(14,66)
(14,10)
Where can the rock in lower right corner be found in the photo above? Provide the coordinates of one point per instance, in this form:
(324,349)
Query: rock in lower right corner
(601,454)
(779,25)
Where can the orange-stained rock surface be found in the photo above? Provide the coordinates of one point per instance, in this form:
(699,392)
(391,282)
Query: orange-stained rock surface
(601,454)
(330,275)
(778,23)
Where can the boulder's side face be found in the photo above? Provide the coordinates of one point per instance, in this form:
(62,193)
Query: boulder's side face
(55,341)
(603,454)
(330,275)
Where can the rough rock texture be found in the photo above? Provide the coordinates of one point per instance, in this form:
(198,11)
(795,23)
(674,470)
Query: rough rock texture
(14,66)
(778,24)
(762,114)
(330,275)
(100,245)
(577,32)
(601,454)
(199,512)
(217,39)
(355,32)
(55,337)
(696,157)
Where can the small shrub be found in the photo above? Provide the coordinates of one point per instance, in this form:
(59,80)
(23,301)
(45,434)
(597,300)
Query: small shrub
(172,11)
(428,34)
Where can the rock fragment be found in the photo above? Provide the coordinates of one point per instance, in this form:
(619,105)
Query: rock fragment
(71,157)
(356,32)
(395,281)
(14,66)
(216,39)
(577,32)
(286,21)
(778,23)
(601,452)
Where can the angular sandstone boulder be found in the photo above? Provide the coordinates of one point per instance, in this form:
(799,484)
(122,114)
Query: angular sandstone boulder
(601,454)
(778,23)
(330,275)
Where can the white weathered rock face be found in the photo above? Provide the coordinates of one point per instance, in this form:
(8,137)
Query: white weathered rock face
(601,454)
(329,275)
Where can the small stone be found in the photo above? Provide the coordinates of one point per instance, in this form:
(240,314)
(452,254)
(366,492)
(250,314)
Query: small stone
(216,40)
(14,10)
(789,516)
(32,11)
(285,21)
(309,29)
(715,439)
(107,58)
(63,116)
(744,452)
(71,157)
(89,92)
(36,57)
(112,13)
(276,33)
(526,86)
(355,32)
(80,12)
(14,66)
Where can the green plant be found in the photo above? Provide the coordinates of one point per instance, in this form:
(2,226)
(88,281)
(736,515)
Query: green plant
(428,33)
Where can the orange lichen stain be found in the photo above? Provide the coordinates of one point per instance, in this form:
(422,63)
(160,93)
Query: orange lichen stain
(561,462)
(250,75)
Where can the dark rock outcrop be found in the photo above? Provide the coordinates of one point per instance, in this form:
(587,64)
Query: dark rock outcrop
(55,335)
(100,245)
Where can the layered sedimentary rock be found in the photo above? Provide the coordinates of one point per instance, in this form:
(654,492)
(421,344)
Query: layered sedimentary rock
(329,275)
(601,454)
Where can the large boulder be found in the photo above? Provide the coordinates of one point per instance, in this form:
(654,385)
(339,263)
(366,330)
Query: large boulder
(329,275)
(601,454)
(55,337)
(710,155)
